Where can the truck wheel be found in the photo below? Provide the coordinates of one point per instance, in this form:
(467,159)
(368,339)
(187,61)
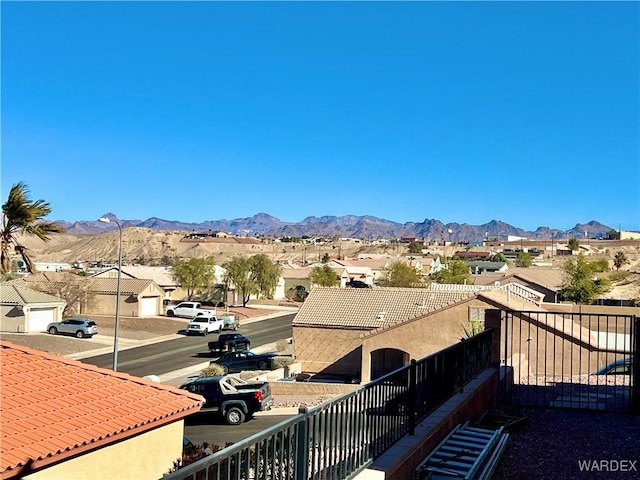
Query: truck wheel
(206,332)
(263,365)
(225,369)
(170,313)
(234,416)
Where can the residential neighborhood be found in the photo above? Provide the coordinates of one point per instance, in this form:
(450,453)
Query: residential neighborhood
(320,240)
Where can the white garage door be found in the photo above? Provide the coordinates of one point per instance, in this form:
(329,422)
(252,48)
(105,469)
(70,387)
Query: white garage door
(39,318)
(149,306)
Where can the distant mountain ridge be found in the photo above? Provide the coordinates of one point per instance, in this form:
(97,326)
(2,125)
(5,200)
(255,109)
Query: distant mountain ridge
(366,227)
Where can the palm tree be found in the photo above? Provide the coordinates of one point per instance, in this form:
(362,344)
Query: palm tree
(19,214)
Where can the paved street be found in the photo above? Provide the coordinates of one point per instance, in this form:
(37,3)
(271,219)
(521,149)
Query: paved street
(188,351)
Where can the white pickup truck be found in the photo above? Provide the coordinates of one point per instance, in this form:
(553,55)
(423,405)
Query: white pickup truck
(188,310)
(204,325)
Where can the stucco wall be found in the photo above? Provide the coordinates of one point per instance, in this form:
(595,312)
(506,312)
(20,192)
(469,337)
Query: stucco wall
(420,337)
(334,350)
(146,456)
(328,350)
(105,304)
(11,319)
(535,351)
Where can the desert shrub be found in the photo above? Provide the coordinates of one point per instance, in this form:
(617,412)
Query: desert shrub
(280,362)
(601,265)
(212,370)
(619,275)
(282,345)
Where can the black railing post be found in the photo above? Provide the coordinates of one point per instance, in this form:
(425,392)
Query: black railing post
(463,363)
(635,365)
(302,446)
(413,395)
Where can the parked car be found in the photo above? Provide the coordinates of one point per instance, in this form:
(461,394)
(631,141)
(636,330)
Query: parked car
(619,367)
(358,284)
(78,326)
(188,310)
(229,342)
(204,325)
(231,397)
(235,362)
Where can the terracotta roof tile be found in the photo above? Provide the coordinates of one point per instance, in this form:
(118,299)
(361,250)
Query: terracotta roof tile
(369,308)
(52,406)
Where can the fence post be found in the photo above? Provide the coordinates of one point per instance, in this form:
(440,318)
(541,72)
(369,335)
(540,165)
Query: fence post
(413,395)
(463,364)
(635,366)
(302,446)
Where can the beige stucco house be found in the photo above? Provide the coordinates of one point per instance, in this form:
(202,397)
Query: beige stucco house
(25,310)
(365,333)
(138,297)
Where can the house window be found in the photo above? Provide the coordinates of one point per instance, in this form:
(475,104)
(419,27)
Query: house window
(476,314)
(476,322)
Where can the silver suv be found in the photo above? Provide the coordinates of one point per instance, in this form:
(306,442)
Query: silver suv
(78,326)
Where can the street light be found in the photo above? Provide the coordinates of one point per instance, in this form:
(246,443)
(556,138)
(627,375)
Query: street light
(117,324)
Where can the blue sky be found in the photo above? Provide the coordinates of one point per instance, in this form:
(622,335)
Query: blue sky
(525,112)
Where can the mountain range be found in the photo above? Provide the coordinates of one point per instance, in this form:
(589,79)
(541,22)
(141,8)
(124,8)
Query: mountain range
(366,227)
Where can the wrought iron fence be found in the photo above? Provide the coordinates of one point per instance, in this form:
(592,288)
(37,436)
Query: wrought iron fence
(569,360)
(343,436)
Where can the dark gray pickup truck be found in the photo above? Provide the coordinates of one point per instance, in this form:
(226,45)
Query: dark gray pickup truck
(231,397)
(230,342)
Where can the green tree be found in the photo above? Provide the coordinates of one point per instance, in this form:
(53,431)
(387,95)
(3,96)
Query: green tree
(239,273)
(195,274)
(574,244)
(326,258)
(22,215)
(456,271)
(524,259)
(619,260)
(323,275)
(400,274)
(580,285)
(499,257)
(265,274)
(600,265)
(415,247)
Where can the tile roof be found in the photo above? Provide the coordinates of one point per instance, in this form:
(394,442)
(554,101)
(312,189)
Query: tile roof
(14,294)
(54,408)
(161,275)
(370,308)
(296,272)
(130,286)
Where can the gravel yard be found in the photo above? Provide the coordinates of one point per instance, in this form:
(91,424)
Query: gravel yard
(555,442)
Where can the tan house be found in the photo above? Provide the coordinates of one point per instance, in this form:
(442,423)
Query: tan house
(63,419)
(26,310)
(162,276)
(365,333)
(138,298)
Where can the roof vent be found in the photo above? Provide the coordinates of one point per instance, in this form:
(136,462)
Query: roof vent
(381,316)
